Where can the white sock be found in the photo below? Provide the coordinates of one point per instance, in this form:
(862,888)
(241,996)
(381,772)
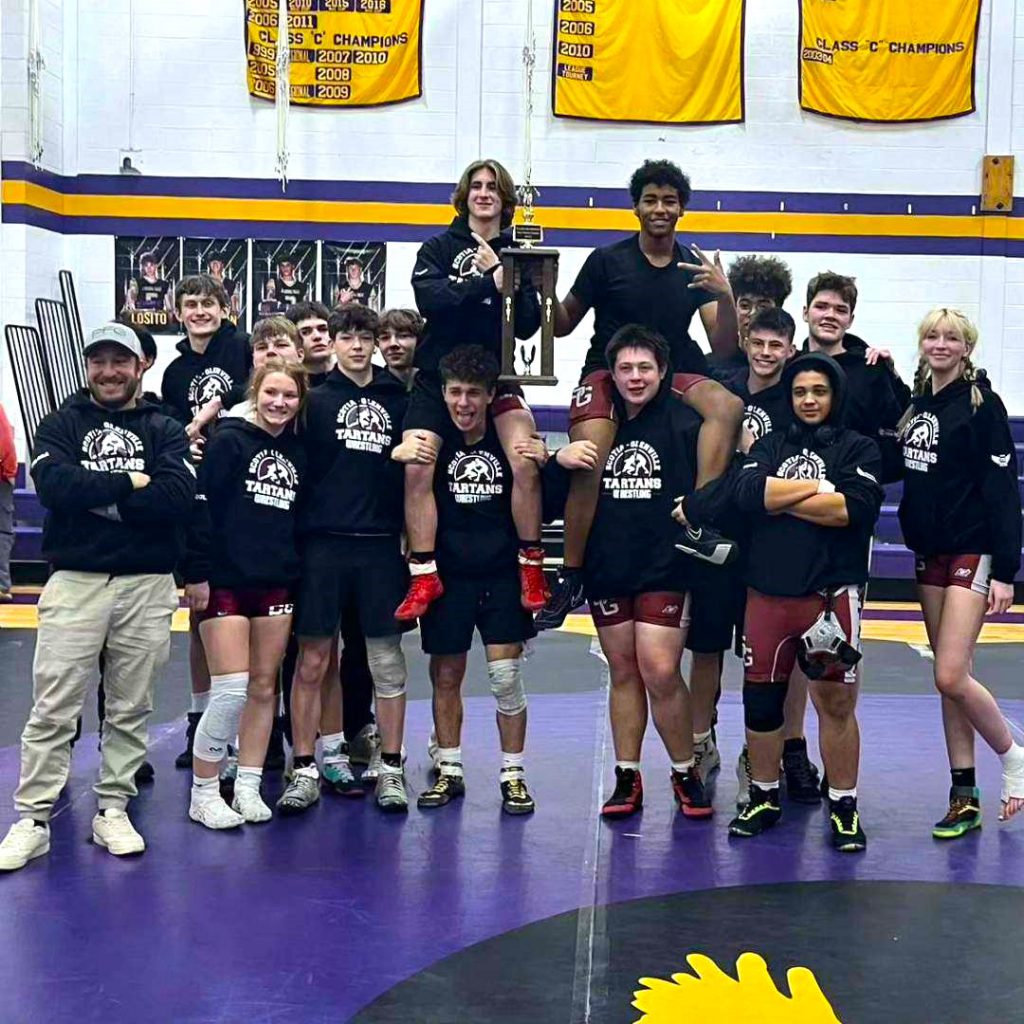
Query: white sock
(1013,759)
(200,702)
(450,759)
(423,568)
(700,737)
(512,764)
(766,786)
(837,794)
(683,766)
(205,790)
(631,765)
(333,746)
(249,777)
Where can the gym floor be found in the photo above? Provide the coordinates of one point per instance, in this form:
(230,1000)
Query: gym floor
(465,914)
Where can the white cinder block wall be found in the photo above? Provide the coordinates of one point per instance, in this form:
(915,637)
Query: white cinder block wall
(165,79)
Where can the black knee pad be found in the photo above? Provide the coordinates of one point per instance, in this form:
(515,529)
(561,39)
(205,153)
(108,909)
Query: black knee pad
(764,706)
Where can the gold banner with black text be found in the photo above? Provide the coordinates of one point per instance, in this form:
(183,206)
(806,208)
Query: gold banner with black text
(888,60)
(344,53)
(655,61)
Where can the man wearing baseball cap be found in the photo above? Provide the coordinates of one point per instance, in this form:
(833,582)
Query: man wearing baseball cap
(117,482)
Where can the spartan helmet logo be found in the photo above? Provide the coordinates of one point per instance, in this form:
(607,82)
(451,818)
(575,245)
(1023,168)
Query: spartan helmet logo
(364,415)
(472,469)
(109,444)
(272,470)
(923,431)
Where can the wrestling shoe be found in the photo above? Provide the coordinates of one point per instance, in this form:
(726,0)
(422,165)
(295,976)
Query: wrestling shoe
(533,586)
(365,742)
(184,759)
(423,591)
(337,773)
(275,759)
(24,841)
(628,796)
(145,774)
(963,815)
(515,797)
(214,813)
(761,813)
(301,792)
(802,783)
(847,835)
(113,830)
(445,789)
(706,758)
(249,804)
(744,779)
(708,545)
(690,795)
(566,596)
(390,794)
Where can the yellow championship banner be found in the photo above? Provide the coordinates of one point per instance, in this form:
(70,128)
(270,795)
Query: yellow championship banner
(653,61)
(888,60)
(344,53)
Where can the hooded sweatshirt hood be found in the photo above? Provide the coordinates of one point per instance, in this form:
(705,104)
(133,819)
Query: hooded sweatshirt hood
(821,363)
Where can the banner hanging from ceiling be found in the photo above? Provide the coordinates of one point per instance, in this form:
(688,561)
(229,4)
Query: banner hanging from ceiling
(888,60)
(344,53)
(653,61)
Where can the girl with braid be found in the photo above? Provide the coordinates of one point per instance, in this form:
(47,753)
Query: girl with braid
(961,516)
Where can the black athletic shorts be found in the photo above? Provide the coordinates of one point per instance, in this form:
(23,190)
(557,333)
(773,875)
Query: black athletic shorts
(718,596)
(487,603)
(339,572)
(427,410)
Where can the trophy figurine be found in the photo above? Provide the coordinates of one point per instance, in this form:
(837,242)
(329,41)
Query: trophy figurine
(540,264)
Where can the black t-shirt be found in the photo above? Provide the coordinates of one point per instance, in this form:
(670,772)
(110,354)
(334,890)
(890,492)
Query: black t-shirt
(623,287)
(152,295)
(290,292)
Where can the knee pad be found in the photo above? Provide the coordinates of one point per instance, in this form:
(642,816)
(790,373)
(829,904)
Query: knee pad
(386,659)
(764,706)
(219,725)
(506,676)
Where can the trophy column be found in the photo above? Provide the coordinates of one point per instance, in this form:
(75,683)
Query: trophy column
(520,367)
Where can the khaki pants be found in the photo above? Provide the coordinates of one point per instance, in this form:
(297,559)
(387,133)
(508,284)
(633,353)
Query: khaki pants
(81,614)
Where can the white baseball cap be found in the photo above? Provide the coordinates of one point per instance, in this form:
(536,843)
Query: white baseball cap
(114,334)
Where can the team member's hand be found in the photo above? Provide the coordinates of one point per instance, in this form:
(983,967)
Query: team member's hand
(578,455)
(746,441)
(139,480)
(197,596)
(196,449)
(417,448)
(498,277)
(533,448)
(345,296)
(707,274)
(1000,597)
(872,355)
(485,258)
(194,430)
(677,513)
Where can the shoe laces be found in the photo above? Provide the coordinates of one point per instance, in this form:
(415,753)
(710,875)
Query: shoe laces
(625,780)
(118,823)
(22,835)
(845,817)
(517,788)
(391,781)
(958,804)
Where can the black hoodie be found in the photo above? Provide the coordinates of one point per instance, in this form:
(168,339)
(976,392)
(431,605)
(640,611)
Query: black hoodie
(194,378)
(244,530)
(96,522)
(461,305)
(787,556)
(355,487)
(960,489)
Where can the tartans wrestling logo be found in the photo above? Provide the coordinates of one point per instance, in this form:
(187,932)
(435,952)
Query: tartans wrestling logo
(757,421)
(633,471)
(474,477)
(212,383)
(921,442)
(109,449)
(807,465)
(364,425)
(272,480)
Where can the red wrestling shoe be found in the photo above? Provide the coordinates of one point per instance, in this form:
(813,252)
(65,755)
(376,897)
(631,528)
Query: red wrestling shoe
(628,797)
(423,591)
(533,586)
(690,794)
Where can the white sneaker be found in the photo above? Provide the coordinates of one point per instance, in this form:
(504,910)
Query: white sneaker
(391,795)
(214,814)
(249,804)
(24,841)
(113,829)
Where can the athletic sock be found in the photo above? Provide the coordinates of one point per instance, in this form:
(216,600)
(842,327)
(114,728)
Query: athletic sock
(450,758)
(700,737)
(964,778)
(303,761)
(333,744)
(633,766)
(835,795)
(1013,759)
(392,760)
(766,787)
(200,701)
(421,563)
(795,746)
(205,790)
(683,766)
(250,777)
(511,764)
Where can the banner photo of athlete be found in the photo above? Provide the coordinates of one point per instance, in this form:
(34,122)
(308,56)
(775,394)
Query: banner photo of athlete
(283,273)
(226,261)
(875,60)
(650,61)
(353,272)
(344,53)
(145,273)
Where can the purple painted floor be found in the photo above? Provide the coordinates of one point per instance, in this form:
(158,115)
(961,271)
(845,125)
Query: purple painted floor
(311,919)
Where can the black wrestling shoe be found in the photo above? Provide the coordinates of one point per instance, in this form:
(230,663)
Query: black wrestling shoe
(274,761)
(184,759)
(847,835)
(802,783)
(444,790)
(964,813)
(145,774)
(708,545)
(761,813)
(566,595)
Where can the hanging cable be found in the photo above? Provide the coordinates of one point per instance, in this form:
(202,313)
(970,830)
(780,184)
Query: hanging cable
(35,87)
(282,92)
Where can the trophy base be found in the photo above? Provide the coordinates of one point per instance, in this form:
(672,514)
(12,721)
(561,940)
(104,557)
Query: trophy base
(536,378)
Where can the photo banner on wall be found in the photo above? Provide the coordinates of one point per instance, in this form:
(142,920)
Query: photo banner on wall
(653,61)
(353,272)
(283,273)
(226,261)
(145,273)
(344,53)
(877,60)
